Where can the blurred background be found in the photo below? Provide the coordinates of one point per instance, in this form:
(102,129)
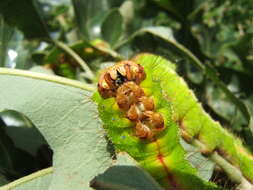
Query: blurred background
(210,42)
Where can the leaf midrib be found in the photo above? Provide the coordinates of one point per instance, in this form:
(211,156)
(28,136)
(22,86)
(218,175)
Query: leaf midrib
(50,78)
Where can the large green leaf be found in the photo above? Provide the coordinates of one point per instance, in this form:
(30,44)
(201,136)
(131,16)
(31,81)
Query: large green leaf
(64,113)
(25,15)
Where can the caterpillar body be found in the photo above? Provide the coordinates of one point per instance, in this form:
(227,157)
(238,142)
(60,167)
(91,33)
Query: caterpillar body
(145,110)
(139,120)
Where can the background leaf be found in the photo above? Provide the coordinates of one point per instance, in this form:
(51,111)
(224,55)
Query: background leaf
(16,53)
(24,15)
(112,22)
(3,180)
(89,16)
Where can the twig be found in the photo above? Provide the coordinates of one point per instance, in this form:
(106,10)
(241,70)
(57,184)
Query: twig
(233,173)
(89,74)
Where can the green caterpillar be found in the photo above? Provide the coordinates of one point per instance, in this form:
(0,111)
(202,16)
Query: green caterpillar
(159,151)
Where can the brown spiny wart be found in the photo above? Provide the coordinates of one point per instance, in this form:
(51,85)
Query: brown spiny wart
(143,131)
(122,82)
(136,111)
(128,94)
(115,76)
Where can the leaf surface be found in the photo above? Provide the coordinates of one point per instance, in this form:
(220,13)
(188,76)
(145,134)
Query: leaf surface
(64,113)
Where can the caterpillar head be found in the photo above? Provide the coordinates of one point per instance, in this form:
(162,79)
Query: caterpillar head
(115,76)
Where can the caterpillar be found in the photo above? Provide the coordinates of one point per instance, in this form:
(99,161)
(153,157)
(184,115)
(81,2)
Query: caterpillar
(145,106)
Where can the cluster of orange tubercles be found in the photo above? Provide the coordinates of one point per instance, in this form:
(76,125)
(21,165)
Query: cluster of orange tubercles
(118,74)
(122,82)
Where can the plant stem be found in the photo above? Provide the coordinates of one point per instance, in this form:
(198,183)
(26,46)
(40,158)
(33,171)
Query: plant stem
(89,74)
(233,173)
(25,179)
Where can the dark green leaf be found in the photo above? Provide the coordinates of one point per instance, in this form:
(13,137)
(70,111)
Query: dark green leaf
(25,15)
(179,8)
(6,34)
(3,180)
(125,177)
(14,50)
(112,27)
(89,16)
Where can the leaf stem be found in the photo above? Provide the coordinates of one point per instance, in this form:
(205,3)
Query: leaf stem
(25,179)
(78,59)
(51,78)
(233,173)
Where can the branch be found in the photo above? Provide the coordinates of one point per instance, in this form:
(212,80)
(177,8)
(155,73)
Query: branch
(233,173)
(89,74)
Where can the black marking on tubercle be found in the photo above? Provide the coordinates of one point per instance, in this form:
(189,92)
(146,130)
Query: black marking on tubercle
(120,79)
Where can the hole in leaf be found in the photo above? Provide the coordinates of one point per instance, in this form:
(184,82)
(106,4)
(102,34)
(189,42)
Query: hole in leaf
(23,148)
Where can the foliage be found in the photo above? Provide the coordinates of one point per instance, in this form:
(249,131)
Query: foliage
(209,41)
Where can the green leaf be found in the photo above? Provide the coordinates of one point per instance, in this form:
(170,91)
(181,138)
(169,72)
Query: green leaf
(14,50)
(127,11)
(64,113)
(112,27)
(179,8)
(89,16)
(24,14)
(6,34)
(125,175)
